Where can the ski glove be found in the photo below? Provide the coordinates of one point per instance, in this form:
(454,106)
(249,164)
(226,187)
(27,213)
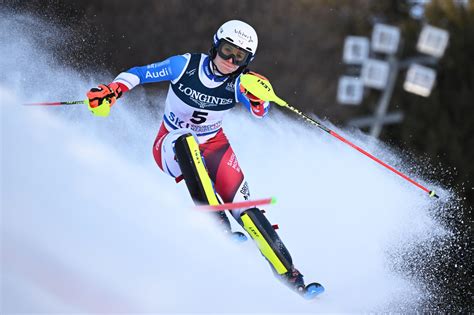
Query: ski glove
(103,97)
(257,105)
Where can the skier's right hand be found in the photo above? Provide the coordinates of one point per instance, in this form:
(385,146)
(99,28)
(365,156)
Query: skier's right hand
(103,97)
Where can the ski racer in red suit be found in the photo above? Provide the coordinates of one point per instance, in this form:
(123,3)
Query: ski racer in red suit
(203,89)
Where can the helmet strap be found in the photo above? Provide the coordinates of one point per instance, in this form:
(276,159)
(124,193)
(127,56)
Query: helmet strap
(214,69)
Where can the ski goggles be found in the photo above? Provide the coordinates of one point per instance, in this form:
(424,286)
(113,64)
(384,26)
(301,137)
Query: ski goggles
(227,50)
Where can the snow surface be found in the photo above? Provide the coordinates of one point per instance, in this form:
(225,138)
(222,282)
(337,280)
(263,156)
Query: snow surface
(91,225)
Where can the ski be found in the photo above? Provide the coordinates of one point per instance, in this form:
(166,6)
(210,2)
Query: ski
(312,290)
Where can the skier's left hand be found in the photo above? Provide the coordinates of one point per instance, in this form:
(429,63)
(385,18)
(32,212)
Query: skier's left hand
(258,105)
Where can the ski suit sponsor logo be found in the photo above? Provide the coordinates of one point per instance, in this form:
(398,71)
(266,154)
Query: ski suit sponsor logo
(180,123)
(157,74)
(203,100)
(158,64)
(191,72)
(245,191)
(233,163)
(230,87)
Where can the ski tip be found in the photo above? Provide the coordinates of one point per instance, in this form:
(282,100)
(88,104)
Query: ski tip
(238,237)
(312,290)
(273,201)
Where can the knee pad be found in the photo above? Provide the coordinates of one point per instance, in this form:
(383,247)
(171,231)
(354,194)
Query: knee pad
(194,171)
(165,154)
(182,132)
(268,241)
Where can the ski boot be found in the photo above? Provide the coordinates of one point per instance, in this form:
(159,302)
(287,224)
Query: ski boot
(238,237)
(294,280)
(224,223)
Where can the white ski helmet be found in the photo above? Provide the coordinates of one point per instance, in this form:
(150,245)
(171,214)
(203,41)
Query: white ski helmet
(238,33)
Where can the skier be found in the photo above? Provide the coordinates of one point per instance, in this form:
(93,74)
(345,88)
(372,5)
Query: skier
(204,87)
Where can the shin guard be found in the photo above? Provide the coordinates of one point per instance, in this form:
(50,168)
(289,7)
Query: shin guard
(196,176)
(194,171)
(268,241)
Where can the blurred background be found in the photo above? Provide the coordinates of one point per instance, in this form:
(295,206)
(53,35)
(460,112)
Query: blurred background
(301,49)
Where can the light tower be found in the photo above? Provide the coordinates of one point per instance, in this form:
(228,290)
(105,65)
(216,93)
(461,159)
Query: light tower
(381,73)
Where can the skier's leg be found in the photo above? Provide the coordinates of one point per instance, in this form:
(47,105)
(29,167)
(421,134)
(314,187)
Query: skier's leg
(164,151)
(230,184)
(225,173)
(268,241)
(194,171)
(165,154)
(178,154)
(271,247)
(224,169)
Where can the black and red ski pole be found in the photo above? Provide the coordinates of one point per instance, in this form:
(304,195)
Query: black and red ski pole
(263,89)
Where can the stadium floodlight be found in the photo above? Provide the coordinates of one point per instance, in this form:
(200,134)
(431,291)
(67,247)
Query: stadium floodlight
(382,74)
(420,80)
(385,38)
(350,90)
(375,73)
(433,41)
(356,49)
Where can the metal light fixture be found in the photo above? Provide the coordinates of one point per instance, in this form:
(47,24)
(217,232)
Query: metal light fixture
(350,90)
(420,80)
(433,41)
(356,49)
(385,38)
(375,73)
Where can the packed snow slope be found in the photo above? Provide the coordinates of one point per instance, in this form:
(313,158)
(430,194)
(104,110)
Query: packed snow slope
(90,224)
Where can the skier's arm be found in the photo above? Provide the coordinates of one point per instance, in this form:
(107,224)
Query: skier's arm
(168,70)
(259,108)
